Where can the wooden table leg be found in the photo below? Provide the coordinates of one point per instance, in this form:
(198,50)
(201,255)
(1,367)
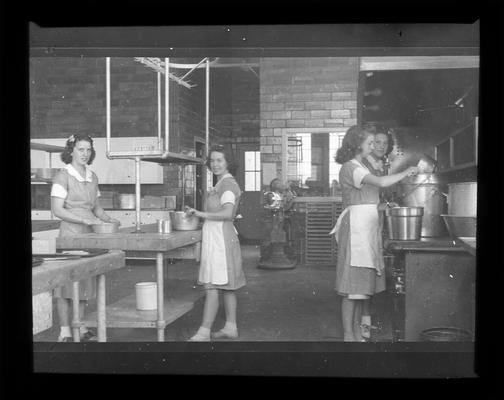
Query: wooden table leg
(160,297)
(101,320)
(75,313)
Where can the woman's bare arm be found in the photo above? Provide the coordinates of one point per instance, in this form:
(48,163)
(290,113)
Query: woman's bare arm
(389,180)
(226,214)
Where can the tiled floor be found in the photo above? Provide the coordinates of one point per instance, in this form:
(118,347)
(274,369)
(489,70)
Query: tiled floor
(276,305)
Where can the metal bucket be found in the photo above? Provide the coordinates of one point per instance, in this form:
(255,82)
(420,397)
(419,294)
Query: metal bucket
(445,335)
(426,191)
(462,199)
(404,223)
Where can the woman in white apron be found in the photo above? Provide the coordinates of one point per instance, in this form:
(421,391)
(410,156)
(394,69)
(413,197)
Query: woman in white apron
(378,164)
(74,199)
(221,263)
(360,268)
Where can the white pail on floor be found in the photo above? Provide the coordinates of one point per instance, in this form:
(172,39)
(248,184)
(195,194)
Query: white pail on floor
(146,295)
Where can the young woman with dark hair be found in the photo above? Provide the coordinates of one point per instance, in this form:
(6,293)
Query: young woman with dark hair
(359,271)
(74,199)
(221,263)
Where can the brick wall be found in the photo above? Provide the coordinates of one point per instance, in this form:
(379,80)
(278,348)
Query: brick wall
(67,95)
(304,93)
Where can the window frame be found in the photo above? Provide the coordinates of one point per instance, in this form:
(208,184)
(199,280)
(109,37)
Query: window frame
(256,171)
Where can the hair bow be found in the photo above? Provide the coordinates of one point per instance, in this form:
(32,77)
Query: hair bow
(71,139)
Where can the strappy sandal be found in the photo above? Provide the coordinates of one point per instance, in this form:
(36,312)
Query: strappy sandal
(365,331)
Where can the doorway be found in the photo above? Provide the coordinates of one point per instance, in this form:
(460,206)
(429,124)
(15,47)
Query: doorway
(249,179)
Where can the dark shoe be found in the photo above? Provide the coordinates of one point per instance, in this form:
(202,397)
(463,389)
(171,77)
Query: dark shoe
(89,336)
(66,339)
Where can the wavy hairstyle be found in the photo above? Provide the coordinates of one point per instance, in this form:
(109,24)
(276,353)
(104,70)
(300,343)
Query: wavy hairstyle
(66,155)
(351,144)
(232,164)
(378,129)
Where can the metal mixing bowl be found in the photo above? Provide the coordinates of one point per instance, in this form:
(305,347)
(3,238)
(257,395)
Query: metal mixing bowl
(460,226)
(105,227)
(183,222)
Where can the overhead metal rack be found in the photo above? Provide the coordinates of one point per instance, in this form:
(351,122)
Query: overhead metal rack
(162,154)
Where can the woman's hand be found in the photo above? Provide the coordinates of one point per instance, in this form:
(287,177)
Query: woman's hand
(90,221)
(384,206)
(114,221)
(411,171)
(191,211)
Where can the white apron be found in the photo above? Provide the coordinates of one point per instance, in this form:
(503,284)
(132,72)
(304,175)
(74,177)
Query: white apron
(365,236)
(213,267)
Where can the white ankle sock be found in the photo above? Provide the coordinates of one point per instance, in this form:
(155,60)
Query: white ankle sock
(230,327)
(202,332)
(366,320)
(82,330)
(65,331)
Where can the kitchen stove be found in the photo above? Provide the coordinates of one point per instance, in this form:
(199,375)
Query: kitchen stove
(395,284)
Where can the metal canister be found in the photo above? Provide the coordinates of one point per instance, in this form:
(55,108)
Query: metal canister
(164,225)
(160,225)
(167,226)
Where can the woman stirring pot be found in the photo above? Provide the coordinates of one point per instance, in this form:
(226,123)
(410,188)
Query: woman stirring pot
(360,266)
(74,199)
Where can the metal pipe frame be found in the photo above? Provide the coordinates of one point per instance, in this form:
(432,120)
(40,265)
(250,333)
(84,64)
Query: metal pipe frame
(197,65)
(167,104)
(160,153)
(137,195)
(207,104)
(159,107)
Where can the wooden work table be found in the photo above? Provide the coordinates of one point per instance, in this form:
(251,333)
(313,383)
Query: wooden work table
(177,244)
(55,273)
(45,224)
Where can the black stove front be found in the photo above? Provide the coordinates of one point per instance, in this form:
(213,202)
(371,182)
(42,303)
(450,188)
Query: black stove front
(395,273)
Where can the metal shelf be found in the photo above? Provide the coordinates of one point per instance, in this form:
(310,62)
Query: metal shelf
(41,180)
(46,147)
(180,297)
(458,167)
(175,158)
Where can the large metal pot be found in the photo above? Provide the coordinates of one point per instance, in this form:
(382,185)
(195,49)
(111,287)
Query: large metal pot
(426,191)
(462,199)
(183,222)
(404,223)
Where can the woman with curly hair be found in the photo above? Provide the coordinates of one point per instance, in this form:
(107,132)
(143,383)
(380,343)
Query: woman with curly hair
(359,270)
(221,263)
(74,199)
